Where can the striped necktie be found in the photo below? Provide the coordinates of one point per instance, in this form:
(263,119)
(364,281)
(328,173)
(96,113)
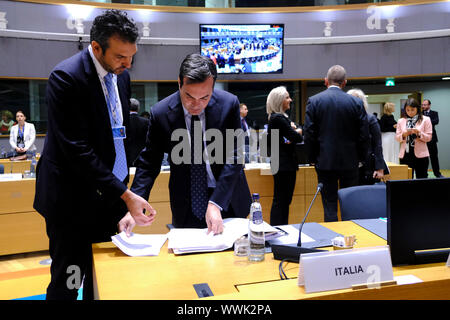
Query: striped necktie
(120,169)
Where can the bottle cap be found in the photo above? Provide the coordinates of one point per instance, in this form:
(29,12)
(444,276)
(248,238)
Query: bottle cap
(255,196)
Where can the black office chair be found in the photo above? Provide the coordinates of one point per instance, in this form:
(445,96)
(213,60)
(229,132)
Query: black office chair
(363,202)
(2,169)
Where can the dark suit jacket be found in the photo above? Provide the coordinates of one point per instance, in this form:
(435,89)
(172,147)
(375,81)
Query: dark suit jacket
(287,156)
(434,117)
(74,173)
(375,160)
(231,190)
(136,134)
(336,130)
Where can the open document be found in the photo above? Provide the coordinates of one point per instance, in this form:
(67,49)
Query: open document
(198,240)
(139,244)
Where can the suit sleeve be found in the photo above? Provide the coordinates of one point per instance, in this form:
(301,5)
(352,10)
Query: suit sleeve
(310,132)
(229,176)
(32,136)
(286,130)
(364,137)
(426,131)
(377,148)
(67,117)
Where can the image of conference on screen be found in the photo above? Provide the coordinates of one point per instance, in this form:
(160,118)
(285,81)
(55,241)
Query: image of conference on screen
(250,48)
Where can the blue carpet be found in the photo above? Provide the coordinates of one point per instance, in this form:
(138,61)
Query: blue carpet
(42,296)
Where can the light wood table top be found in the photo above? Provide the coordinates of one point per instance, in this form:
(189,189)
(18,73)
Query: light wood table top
(172,277)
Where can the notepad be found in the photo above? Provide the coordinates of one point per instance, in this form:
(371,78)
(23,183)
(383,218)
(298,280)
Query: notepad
(139,244)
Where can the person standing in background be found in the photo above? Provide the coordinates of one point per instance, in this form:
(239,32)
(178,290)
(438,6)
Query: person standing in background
(373,168)
(336,135)
(137,132)
(22,135)
(432,145)
(414,130)
(388,127)
(278,102)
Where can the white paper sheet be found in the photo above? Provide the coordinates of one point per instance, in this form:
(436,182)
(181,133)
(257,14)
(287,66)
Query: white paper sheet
(291,237)
(139,244)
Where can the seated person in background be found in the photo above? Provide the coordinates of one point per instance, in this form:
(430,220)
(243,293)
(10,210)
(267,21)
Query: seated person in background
(6,122)
(414,130)
(22,135)
(373,168)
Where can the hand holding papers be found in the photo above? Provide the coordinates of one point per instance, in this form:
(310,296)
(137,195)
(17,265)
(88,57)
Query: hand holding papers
(139,244)
(198,240)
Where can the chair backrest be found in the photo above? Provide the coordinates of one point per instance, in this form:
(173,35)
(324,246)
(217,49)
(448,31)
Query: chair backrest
(2,169)
(363,202)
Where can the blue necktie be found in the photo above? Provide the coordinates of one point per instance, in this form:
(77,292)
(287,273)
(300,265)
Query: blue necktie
(120,169)
(199,184)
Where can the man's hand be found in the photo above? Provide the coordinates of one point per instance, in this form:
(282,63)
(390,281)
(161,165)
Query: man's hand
(137,206)
(213,219)
(126,224)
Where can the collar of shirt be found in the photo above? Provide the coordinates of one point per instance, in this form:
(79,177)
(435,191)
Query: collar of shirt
(334,86)
(100,70)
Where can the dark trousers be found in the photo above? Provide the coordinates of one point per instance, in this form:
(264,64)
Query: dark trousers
(418,165)
(332,180)
(283,189)
(70,247)
(434,159)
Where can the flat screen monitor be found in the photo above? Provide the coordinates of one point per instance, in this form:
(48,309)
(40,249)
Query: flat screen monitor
(418,227)
(243,48)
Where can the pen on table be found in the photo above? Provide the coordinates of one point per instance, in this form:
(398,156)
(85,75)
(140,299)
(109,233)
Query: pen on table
(282,231)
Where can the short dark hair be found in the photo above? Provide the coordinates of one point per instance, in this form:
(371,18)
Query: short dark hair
(113,23)
(197,68)
(411,102)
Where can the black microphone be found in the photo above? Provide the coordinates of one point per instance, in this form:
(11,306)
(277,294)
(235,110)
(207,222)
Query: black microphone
(319,188)
(291,252)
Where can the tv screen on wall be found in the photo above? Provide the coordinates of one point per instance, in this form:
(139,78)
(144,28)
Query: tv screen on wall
(243,48)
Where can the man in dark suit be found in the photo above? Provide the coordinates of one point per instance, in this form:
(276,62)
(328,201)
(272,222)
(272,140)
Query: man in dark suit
(136,133)
(432,145)
(336,137)
(211,186)
(82,175)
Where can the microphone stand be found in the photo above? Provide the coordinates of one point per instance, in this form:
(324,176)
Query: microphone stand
(292,253)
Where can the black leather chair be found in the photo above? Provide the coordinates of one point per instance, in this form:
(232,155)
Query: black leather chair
(363,202)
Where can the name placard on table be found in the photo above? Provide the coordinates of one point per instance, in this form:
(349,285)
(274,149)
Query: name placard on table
(333,270)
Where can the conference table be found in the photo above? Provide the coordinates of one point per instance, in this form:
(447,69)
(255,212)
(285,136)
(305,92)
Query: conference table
(172,277)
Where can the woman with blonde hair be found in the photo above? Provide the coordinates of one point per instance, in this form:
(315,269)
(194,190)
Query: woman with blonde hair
(278,102)
(388,127)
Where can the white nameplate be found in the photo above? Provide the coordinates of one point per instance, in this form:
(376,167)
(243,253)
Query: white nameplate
(340,269)
(10,176)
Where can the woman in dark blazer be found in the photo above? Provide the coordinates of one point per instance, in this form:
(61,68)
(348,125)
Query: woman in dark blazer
(284,177)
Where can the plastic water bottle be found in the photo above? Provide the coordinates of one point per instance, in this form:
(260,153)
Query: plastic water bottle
(33,167)
(255,231)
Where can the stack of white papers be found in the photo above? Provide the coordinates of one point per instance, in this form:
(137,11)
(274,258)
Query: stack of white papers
(188,240)
(139,244)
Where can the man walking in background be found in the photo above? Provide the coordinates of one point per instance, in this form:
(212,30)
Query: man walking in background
(432,145)
(336,136)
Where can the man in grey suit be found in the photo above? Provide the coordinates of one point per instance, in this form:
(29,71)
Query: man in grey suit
(336,136)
